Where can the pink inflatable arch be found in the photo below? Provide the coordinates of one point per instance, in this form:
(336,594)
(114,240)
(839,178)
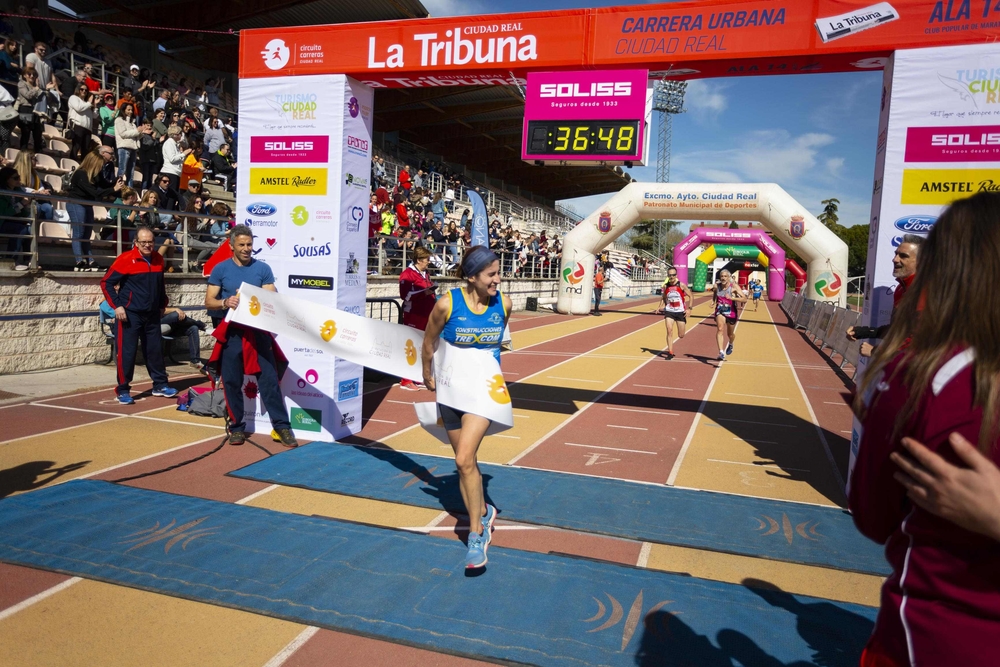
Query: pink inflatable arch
(759,237)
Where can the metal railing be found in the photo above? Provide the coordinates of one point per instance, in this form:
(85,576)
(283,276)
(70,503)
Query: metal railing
(826,324)
(446,257)
(178,231)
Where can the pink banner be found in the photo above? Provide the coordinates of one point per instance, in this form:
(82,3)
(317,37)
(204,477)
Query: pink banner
(965,143)
(299,149)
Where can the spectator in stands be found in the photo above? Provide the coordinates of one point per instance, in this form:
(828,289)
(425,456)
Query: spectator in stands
(28,94)
(160,125)
(176,104)
(148,153)
(92,84)
(46,77)
(160,224)
(167,196)
(32,182)
(10,72)
(82,114)
(80,40)
(161,101)
(41,31)
(224,167)
(437,207)
(81,216)
(129,217)
(192,169)
(15,207)
(127,141)
(107,120)
(133,82)
(213,88)
(209,233)
(404,179)
(418,180)
(190,193)
(453,238)
(134,287)
(182,325)
(173,157)
(378,171)
(214,136)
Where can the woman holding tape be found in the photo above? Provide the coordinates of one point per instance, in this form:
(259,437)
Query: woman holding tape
(470,316)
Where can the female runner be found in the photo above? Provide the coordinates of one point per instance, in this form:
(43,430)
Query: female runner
(470,316)
(726,294)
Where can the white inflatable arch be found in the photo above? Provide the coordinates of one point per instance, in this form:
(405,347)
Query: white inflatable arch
(765,203)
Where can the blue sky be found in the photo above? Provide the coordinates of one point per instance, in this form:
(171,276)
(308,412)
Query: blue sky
(813,134)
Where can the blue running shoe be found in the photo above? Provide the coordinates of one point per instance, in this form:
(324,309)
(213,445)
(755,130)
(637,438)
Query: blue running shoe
(125,399)
(476,557)
(166,392)
(491,516)
(729,350)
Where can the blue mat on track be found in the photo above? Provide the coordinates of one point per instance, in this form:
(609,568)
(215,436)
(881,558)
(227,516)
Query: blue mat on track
(792,532)
(409,588)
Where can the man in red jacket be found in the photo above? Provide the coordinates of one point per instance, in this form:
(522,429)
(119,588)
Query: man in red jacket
(134,288)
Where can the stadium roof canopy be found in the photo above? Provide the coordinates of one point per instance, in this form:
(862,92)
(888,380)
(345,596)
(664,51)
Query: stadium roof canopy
(478,126)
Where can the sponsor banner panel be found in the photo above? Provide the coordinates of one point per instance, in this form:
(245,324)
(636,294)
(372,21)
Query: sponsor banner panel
(355,192)
(299,181)
(943,186)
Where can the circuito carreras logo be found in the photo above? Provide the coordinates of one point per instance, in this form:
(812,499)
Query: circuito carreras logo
(498,389)
(828,284)
(411,352)
(254,306)
(276,54)
(574,275)
(328,330)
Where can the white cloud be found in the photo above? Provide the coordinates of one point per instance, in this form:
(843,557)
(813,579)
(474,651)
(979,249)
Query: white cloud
(834,166)
(705,97)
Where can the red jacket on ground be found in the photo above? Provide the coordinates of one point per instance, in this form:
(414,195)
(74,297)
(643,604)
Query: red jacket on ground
(941,604)
(415,288)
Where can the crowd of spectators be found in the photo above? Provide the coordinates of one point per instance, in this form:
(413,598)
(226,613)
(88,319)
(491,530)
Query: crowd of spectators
(404,213)
(132,139)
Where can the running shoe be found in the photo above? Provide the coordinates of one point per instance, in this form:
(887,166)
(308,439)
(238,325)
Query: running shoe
(729,350)
(125,399)
(165,392)
(237,438)
(476,556)
(491,516)
(408,385)
(722,356)
(287,438)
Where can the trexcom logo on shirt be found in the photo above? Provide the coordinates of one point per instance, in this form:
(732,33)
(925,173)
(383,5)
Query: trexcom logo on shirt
(276,54)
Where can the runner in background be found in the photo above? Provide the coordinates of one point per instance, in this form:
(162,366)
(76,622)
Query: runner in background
(676,308)
(726,295)
(470,316)
(756,289)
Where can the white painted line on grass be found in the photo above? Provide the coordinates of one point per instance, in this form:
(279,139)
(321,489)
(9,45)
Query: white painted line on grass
(613,449)
(48,592)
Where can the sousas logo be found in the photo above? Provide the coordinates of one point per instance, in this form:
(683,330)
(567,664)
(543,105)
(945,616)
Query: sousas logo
(604,89)
(311,250)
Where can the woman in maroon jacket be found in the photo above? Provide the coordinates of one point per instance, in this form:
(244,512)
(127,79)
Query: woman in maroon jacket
(936,373)
(417,291)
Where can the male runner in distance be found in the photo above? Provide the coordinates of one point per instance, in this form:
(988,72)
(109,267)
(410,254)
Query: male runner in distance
(756,289)
(676,308)
(726,295)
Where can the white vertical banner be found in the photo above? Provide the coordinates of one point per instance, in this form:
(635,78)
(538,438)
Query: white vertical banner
(290,193)
(939,140)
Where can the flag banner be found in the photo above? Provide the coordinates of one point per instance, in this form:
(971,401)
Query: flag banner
(468,379)
(480,234)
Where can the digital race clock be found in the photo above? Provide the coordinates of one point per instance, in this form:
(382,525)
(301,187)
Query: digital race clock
(583,137)
(591,117)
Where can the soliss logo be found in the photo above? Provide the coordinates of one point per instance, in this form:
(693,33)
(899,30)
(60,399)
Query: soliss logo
(288,145)
(606,89)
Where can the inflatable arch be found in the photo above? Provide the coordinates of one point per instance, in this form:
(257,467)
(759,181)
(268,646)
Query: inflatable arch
(766,203)
(715,251)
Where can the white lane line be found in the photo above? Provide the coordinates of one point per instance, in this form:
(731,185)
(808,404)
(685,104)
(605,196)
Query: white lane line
(465,529)
(436,521)
(631,428)
(812,415)
(389,400)
(745,421)
(672,477)
(850,432)
(644,554)
(257,494)
(510,373)
(537,400)
(60,430)
(509,437)
(379,421)
(291,647)
(613,449)
(112,389)
(13,405)
(141,459)
(648,412)
(656,386)
(759,442)
(522,416)
(559,377)
(840,403)
(48,592)
(773,398)
(744,496)
(137,415)
(758,465)
(597,398)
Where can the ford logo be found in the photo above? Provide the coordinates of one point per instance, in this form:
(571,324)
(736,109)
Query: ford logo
(262,209)
(916,224)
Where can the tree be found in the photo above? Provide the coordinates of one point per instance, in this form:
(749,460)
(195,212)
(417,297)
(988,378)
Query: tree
(655,236)
(734,225)
(829,215)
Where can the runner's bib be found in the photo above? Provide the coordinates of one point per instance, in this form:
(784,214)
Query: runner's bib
(674,299)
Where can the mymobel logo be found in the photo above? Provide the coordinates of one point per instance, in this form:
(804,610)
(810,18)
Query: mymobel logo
(276,54)
(595,89)
(290,149)
(287,181)
(311,282)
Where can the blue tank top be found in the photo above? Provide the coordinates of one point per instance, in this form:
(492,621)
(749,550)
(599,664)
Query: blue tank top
(465,328)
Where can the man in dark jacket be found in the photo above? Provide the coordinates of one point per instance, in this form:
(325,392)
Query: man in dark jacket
(223,167)
(134,287)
